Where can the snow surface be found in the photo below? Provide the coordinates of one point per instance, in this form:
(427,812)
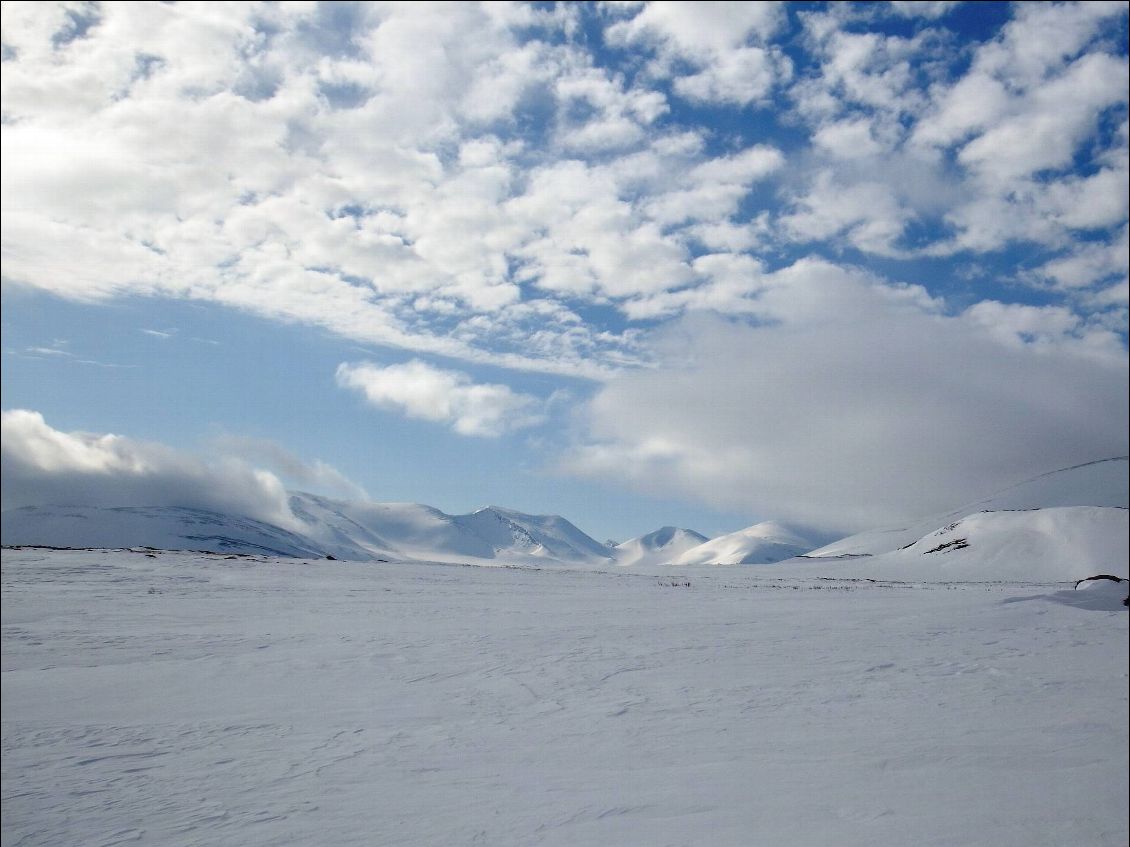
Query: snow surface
(760,544)
(185,699)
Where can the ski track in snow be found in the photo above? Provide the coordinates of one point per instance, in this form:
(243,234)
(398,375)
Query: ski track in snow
(185,699)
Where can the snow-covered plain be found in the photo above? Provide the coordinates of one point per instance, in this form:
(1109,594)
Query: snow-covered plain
(186,699)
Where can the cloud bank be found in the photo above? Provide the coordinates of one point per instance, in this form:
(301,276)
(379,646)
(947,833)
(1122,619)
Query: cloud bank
(40,465)
(846,403)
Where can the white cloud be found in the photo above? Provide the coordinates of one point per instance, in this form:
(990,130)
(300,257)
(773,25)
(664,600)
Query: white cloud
(418,175)
(42,465)
(1019,122)
(421,391)
(865,69)
(1089,264)
(714,38)
(1053,120)
(740,76)
(699,30)
(855,403)
(868,215)
(188,183)
(848,139)
(316,476)
(931,9)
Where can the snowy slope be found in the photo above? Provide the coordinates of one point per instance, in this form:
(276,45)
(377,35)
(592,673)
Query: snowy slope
(1059,544)
(761,544)
(163,527)
(423,532)
(1101,483)
(548,536)
(657,548)
(190,700)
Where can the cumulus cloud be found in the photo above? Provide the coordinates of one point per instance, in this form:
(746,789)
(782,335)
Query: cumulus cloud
(419,390)
(343,168)
(42,465)
(852,403)
(725,44)
(869,215)
(922,8)
(1020,120)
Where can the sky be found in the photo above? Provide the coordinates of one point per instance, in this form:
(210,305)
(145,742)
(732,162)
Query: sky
(700,264)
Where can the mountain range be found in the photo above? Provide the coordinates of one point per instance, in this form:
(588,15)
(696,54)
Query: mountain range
(1065,524)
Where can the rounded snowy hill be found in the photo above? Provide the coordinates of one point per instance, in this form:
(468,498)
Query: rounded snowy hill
(1062,526)
(660,547)
(760,544)
(1102,484)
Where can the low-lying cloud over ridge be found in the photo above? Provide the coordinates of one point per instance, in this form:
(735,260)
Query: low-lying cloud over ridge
(40,465)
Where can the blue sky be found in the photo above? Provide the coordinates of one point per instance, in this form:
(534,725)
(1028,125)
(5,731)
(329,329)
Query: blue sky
(701,264)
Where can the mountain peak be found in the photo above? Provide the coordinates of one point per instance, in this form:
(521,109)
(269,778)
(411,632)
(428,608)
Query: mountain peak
(657,547)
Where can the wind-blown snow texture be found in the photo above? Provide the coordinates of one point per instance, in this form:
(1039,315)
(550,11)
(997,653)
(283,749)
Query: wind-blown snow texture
(174,699)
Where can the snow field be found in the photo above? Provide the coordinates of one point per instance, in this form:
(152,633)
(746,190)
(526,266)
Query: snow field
(181,699)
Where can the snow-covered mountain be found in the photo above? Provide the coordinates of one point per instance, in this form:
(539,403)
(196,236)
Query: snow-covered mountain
(1058,544)
(163,527)
(760,544)
(417,531)
(660,547)
(1101,483)
(1058,527)
(361,531)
